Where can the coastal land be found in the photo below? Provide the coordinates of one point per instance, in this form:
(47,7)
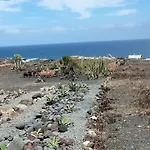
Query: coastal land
(73,110)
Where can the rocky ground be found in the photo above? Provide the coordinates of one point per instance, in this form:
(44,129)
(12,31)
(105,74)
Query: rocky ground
(121,115)
(46,115)
(93,115)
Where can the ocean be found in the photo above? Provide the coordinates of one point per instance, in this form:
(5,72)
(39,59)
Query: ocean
(56,51)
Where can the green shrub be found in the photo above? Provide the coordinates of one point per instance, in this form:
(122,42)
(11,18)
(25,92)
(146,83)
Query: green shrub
(54,142)
(63,121)
(36,133)
(3,147)
(69,108)
(50,99)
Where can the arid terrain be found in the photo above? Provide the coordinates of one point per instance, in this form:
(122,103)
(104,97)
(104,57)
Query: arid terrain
(122,109)
(113,115)
(25,110)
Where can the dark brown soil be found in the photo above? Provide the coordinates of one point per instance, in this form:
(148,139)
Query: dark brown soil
(123,112)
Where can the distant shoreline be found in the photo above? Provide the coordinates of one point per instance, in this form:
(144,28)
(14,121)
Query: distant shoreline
(87,49)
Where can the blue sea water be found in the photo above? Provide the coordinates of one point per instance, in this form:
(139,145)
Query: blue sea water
(56,51)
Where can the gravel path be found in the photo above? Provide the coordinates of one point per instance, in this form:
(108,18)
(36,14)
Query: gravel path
(78,117)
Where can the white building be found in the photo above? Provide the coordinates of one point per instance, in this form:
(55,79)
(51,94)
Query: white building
(135,56)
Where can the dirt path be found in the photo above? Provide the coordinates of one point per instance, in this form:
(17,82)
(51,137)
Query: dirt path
(79,116)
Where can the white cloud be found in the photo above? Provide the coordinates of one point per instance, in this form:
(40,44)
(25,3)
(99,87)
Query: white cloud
(11,5)
(124,12)
(125,25)
(79,6)
(18,29)
(9,29)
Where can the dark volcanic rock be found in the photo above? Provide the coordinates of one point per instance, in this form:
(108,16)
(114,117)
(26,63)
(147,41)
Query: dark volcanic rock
(20,126)
(38,125)
(38,95)
(62,128)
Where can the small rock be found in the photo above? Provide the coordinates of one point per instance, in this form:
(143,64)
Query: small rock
(29,146)
(38,95)
(93,118)
(54,126)
(2,92)
(49,126)
(38,125)
(36,141)
(38,148)
(62,128)
(20,126)
(139,126)
(66,142)
(86,144)
(89,112)
(38,99)
(21,107)
(38,116)
(16,144)
(91,133)
(31,138)
(30,129)
(26,102)
(48,134)
(41,137)
(35,100)
(10,138)
(27,141)
(49,148)
(46,140)
(22,132)
(55,133)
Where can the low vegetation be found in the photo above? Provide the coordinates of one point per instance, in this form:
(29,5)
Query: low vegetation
(67,67)
(3,147)
(54,142)
(63,121)
(93,68)
(18,61)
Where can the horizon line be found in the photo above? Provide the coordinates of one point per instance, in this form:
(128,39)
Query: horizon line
(58,43)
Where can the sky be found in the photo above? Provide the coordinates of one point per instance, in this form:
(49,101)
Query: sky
(29,22)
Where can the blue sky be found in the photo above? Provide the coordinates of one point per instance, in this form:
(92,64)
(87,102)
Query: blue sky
(24,22)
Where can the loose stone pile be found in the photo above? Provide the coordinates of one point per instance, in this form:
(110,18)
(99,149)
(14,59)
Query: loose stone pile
(10,95)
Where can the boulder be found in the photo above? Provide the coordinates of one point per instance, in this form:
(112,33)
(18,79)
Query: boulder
(16,144)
